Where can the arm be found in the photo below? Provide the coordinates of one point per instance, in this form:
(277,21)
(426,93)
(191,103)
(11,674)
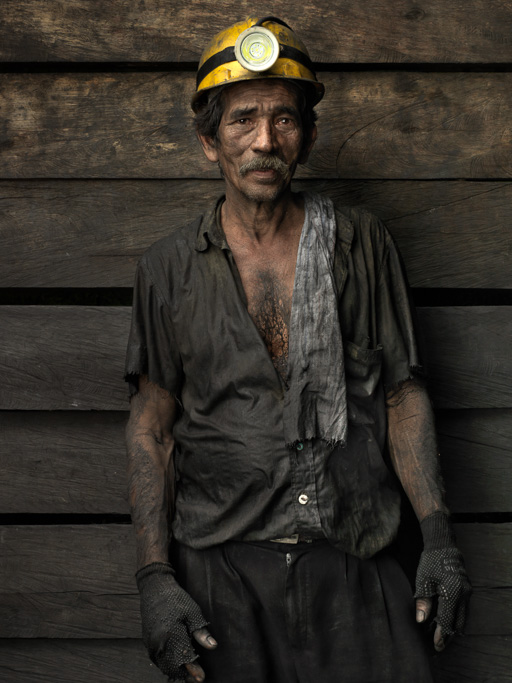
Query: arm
(169,615)
(150,447)
(414,455)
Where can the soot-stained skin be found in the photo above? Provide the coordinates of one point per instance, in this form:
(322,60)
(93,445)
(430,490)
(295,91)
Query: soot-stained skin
(270,309)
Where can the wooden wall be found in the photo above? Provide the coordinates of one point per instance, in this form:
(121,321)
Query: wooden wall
(98,160)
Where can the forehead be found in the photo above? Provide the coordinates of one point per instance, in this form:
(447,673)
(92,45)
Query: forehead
(260,94)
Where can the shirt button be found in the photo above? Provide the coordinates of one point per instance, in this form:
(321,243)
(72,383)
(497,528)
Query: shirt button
(303,498)
(299,446)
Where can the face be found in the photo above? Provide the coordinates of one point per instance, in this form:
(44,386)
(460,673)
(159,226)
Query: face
(260,139)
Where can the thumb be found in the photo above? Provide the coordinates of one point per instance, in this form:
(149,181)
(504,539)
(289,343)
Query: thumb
(423,609)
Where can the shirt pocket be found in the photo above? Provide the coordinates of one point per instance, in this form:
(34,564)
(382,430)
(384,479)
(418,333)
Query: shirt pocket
(362,376)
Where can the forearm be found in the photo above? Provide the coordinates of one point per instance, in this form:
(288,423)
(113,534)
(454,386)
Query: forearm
(149,489)
(413,447)
(150,446)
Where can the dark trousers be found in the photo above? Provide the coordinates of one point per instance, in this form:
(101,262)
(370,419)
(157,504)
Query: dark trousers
(305,613)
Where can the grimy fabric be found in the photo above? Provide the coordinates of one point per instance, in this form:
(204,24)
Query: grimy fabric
(305,613)
(315,402)
(236,479)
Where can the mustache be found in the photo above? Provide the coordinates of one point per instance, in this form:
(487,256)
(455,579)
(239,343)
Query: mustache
(268,162)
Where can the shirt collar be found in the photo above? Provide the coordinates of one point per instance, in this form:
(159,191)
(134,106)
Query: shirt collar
(210,229)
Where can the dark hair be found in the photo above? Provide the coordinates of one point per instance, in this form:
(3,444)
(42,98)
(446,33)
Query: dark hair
(211,107)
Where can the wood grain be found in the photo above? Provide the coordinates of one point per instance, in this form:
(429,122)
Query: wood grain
(63,463)
(75,661)
(101,558)
(90,233)
(83,615)
(476,459)
(376,31)
(71,358)
(69,462)
(77,581)
(373,125)
(473,659)
(468,355)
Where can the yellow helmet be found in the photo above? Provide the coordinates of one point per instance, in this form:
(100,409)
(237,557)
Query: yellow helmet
(249,50)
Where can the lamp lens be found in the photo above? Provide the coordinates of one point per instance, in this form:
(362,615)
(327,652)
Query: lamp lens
(257,49)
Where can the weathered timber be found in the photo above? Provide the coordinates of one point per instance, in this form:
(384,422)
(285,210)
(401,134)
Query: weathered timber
(71,358)
(77,581)
(476,459)
(101,558)
(77,661)
(71,615)
(475,659)
(90,558)
(60,358)
(468,355)
(63,463)
(125,32)
(471,659)
(93,615)
(372,125)
(375,31)
(74,462)
(90,233)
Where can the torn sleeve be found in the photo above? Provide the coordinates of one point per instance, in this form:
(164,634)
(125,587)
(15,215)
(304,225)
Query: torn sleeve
(396,322)
(152,348)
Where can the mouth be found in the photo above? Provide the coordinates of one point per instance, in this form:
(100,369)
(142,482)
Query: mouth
(268,167)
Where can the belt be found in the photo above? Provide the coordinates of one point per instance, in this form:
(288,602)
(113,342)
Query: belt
(297,538)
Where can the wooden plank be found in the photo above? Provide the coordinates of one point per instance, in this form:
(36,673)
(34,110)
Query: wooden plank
(71,358)
(437,31)
(90,233)
(487,549)
(63,463)
(75,661)
(476,459)
(82,615)
(90,558)
(404,125)
(101,558)
(468,355)
(64,358)
(473,659)
(77,581)
(74,462)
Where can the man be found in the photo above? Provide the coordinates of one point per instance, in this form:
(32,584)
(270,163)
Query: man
(276,397)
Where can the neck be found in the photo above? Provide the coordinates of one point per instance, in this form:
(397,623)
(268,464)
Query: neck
(260,221)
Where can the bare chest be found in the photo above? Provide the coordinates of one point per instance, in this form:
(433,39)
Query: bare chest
(268,286)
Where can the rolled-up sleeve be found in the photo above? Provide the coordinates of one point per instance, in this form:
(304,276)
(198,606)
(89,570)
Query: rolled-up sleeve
(396,321)
(152,348)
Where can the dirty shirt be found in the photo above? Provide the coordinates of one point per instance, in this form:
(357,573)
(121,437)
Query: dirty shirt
(236,478)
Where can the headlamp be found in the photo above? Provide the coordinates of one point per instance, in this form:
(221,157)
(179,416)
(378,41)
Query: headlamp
(257,49)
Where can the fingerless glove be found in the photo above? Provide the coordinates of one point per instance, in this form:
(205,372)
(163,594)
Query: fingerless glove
(169,617)
(441,572)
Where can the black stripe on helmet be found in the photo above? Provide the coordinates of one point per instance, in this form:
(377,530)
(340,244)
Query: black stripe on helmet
(228,55)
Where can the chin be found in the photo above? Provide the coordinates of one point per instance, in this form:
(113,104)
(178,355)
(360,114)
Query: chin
(265,193)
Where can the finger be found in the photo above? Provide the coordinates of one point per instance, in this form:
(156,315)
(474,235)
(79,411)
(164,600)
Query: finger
(195,673)
(438,639)
(423,609)
(204,638)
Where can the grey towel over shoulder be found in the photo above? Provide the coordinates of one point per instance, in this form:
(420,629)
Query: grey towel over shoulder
(315,402)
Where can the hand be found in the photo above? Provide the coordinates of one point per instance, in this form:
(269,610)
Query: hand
(423,610)
(169,619)
(441,573)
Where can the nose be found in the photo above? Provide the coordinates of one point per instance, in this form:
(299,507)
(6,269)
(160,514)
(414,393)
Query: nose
(264,137)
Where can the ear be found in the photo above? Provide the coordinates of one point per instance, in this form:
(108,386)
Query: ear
(209,148)
(308,146)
